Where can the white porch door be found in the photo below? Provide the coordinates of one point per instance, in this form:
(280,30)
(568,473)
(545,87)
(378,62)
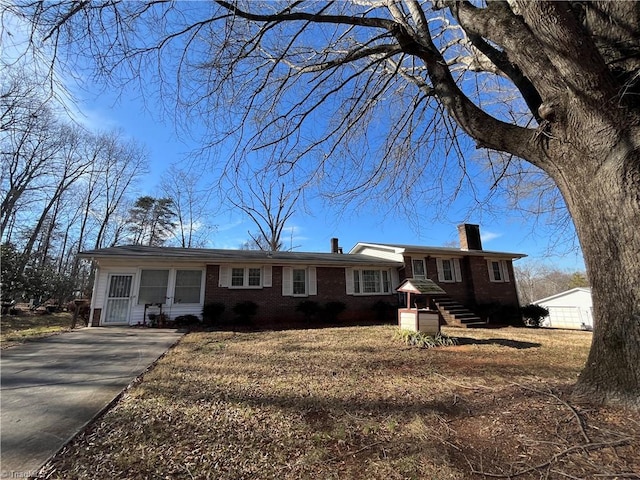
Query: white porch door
(118,300)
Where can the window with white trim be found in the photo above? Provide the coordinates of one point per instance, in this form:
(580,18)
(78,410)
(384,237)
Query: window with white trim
(498,270)
(188,286)
(244,276)
(418,268)
(153,286)
(449,270)
(299,281)
(369,282)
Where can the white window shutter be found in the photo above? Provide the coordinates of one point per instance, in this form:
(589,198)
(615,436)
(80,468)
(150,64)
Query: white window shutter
(287,281)
(456,269)
(440,270)
(223,278)
(267,276)
(395,279)
(313,282)
(349,280)
(505,270)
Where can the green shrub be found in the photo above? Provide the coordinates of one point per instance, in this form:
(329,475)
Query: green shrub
(309,308)
(211,312)
(333,309)
(422,340)
(533,315)
(186,321)
(245,311)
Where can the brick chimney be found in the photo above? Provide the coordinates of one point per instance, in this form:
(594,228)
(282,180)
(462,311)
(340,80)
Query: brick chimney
(469,237)
(334,246)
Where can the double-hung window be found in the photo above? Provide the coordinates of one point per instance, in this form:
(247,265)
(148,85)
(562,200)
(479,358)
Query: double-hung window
(419,271)
(449,270)
(244,276)
(299,281)
(498,270)
(369,281)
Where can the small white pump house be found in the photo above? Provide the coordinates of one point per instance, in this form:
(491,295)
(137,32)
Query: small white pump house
(418,316)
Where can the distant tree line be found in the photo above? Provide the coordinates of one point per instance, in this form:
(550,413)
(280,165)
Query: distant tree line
(536,281)
(63,189)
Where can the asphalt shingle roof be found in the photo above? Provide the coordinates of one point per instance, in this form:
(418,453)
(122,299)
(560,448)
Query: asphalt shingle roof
(234,256)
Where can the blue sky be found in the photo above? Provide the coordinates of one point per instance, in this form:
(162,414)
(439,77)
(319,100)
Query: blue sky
(137,113)
(510,232)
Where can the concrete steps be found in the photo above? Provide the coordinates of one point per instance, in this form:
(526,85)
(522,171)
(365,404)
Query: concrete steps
(457,315)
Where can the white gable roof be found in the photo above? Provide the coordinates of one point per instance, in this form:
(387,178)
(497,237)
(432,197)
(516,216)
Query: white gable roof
(579,296)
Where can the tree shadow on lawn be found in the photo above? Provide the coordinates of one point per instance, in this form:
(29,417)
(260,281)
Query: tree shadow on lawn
(504,342)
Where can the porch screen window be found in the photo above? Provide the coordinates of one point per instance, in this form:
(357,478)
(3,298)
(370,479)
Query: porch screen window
(188,284)
(153,286)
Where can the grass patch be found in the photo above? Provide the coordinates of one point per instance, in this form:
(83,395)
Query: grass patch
(353,403)
(16,329)
(422,340)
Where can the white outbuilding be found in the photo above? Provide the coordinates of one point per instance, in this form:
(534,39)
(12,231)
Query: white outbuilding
(570,309)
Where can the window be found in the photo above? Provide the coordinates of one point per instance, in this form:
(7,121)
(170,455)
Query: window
(299,281)
(418,269)
(370,281)
(188,286)
(153,286)
(244,276)
(498,270)
(449,270)
(237,277)
(255,275)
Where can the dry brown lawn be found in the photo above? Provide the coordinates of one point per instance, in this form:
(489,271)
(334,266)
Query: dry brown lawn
(16,329)
(356,403)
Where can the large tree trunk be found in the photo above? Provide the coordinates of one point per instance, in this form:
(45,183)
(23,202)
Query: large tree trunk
(602,192)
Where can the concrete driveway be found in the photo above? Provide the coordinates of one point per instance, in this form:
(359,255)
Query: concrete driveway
(51,388)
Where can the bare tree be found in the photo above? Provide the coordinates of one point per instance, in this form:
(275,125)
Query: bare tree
(536,280)
(269,205)
(386,95)
(191,205)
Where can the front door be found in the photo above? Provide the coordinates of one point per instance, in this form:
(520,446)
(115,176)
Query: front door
(118,300)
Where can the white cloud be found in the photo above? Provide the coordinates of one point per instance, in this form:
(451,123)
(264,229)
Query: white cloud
(486,236)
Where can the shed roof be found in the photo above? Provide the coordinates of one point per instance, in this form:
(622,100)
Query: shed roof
(566,293)
(420,287)
(399,248)
(140,252)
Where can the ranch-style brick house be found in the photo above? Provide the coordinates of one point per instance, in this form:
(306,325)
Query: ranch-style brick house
(133,281)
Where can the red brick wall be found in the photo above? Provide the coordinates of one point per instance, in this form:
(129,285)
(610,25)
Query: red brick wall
(475,288)
(273,307)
